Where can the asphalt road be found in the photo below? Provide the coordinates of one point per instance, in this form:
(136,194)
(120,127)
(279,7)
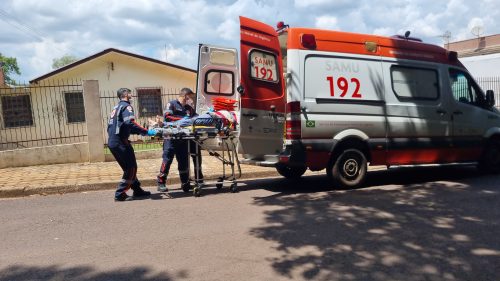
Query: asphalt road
(408,224)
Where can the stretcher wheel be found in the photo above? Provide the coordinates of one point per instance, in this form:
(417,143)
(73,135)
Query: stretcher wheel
(233,188)
(218,185)
(197,191)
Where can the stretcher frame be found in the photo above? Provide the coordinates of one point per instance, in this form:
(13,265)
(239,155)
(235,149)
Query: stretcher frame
(227,154)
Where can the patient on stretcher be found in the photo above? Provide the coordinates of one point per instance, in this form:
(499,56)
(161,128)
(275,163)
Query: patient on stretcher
(221,118)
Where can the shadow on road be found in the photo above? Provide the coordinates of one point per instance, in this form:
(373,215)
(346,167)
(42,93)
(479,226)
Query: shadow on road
(438,223)
(81,273)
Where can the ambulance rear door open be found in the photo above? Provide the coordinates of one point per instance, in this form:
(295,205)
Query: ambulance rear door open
(263,100)
(218,76)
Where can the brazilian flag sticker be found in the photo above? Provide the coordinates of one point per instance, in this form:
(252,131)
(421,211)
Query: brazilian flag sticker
(310,124)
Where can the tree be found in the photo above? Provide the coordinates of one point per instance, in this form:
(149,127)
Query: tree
(62,61)
(9,66)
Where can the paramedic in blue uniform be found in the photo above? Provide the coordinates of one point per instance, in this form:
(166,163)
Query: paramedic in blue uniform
(120,125)
(176,110)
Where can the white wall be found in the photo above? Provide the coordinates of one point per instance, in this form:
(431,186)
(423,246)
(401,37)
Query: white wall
(483,66)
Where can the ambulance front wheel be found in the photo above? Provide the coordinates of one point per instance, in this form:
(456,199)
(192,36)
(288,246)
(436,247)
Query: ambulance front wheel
(290,172)
(490,160)
(349,169)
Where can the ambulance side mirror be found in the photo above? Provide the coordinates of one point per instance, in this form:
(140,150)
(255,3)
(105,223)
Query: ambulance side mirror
(490,98)
(240,89)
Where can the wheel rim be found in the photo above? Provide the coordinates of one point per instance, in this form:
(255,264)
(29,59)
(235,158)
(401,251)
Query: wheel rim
(350,169)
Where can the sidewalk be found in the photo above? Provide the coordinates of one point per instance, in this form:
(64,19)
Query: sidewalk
(77,177)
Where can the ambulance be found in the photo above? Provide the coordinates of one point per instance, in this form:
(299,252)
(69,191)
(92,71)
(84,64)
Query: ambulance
(321,99)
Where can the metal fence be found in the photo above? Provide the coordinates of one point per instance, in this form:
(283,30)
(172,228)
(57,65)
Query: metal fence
(44,114)
(490,83)
(53,112)
(147,103)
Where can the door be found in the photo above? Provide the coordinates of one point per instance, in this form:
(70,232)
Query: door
(263,100)
(418,115)
(471,119)
(217,75)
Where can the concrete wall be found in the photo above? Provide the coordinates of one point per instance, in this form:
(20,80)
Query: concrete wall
(56,154)
(483,66)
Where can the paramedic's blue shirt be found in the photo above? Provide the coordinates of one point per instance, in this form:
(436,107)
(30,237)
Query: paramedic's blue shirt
(122,122)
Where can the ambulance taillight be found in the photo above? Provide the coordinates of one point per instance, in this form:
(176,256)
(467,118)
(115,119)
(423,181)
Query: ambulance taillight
(293,123)
(308,41)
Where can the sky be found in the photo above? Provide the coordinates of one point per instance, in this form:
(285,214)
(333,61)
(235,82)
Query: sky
(37,31)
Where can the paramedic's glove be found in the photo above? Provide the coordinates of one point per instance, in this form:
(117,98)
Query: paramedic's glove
(152,132)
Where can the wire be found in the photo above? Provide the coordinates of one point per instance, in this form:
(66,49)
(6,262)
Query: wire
(19,26)
(28,29)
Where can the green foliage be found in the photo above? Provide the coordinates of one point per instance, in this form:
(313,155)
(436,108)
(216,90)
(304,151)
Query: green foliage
(10,67)
(62,61)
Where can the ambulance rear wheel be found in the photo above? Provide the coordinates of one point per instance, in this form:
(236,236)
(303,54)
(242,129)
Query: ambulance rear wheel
(349,169)
(290,172)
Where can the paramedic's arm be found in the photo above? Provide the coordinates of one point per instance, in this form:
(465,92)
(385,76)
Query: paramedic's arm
(169,115)
(129,120)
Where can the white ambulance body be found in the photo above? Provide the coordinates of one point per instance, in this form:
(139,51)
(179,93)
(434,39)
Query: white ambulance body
(317,99)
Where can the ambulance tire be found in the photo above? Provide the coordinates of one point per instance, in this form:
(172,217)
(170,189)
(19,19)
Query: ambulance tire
(490,161)
(349,169)
(290,172)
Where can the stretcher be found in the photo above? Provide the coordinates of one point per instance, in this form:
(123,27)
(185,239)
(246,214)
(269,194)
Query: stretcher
(206,132)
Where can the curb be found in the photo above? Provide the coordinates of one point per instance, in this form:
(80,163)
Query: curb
(63,189)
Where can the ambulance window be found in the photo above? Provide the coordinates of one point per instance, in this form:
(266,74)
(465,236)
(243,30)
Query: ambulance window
(222,57)
(263,66)
(464,89)
(415,83)
(219,82)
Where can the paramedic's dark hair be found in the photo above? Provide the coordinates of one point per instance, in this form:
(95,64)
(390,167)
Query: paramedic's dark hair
(122,91)
(186,91)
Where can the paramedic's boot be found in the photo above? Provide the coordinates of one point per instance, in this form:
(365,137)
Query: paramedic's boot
(162,187)
(186,187)
(141,193)
(123,197)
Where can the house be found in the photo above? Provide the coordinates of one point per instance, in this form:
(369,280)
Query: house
(480,55)
(50,110)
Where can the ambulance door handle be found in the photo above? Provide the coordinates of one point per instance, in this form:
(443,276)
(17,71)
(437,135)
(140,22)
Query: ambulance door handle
(273,108)
(441,112)
(250,116)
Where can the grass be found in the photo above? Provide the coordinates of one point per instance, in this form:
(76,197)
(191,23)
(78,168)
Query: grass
(144,146)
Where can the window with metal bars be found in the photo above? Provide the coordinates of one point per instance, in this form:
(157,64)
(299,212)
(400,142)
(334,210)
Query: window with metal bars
(75,110)
(149,102)
(17,111)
